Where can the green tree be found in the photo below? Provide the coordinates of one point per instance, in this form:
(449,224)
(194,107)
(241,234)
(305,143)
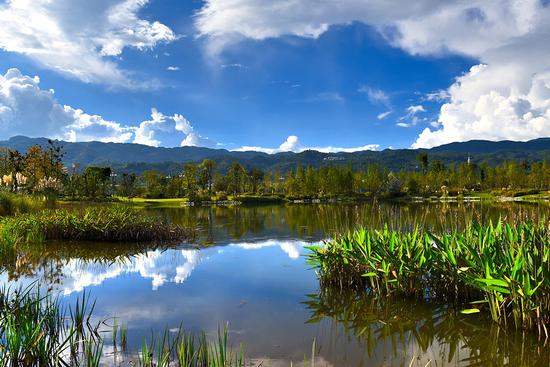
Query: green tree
(190,180)
(236,174)
(207,174)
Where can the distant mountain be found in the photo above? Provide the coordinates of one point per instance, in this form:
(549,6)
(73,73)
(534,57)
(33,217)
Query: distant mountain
(138,158)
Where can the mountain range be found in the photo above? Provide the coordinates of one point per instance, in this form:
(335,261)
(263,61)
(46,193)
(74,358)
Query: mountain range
(127,157)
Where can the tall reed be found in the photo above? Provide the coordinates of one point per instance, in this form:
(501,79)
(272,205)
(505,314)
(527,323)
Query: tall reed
(503,268)
(186,350)
(37,330)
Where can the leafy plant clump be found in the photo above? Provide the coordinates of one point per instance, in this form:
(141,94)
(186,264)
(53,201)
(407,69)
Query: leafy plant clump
(116,224)
(503,268)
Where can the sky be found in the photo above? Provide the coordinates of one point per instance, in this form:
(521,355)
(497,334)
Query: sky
(272,76)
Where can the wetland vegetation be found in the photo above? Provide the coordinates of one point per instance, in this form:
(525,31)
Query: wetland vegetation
(443,276)
(503,268)
(113,224)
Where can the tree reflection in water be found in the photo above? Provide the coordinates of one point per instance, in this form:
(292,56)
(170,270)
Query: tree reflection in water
(439,334)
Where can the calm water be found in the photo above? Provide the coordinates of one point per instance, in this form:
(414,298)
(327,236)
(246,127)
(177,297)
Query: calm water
(250,272)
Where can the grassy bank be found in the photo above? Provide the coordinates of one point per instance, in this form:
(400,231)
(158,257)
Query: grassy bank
(499,268)
(12,204)
(114,224)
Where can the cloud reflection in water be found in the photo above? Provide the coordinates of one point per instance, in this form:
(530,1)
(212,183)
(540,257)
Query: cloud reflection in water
(170,266)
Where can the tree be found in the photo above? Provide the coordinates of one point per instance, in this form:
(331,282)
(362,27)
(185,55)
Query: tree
(256,176)
(236,174)
(190,172)
(127,187)
(422,158)
(154,183)
(96,181)
(207,174)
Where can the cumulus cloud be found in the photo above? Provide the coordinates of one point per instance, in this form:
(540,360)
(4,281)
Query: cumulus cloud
(506,96)
(80,38)
(163,129)
(26,109)
(292,144)
(172,68)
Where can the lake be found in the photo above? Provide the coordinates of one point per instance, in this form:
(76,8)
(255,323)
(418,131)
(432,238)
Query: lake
(245,267)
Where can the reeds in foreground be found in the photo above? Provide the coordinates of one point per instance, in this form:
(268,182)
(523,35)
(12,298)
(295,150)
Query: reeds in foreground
(503,268)
(36,330)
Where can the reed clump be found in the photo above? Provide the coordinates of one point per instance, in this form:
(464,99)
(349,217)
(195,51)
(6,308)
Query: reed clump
(113,224)
(37,330)
(502,268)
(186,350)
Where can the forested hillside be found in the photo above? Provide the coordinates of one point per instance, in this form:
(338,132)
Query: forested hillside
(135,158)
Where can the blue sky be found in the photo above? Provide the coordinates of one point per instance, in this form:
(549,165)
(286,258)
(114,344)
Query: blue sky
(275,76)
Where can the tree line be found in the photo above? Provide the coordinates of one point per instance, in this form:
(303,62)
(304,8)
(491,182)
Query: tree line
(41,170)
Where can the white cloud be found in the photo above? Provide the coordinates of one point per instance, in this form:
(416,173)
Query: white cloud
(506,96)
(292,144)
(326,97)
(437,96)
(26,109)
(383,115)
(172,68)
(376,96)
(233,66)
(415,109)
(410,119)
(79,38)
(162,128)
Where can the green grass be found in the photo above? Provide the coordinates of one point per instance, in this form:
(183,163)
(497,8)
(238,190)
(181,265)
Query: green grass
(186,350)
(113,224)
(36,330)
(502,268)
(13,204)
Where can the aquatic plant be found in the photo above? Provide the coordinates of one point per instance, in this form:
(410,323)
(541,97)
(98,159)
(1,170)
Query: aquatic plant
(503,268)
(187,350)
(89,224)
(35,329)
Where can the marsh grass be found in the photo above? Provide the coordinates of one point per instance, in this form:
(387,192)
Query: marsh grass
(36,329)
(113,224)
(12,203)
(502,268)
(186,350)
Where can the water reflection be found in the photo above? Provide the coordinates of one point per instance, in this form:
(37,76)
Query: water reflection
(251,274)
(160,266)
(219,225)
(411,333)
